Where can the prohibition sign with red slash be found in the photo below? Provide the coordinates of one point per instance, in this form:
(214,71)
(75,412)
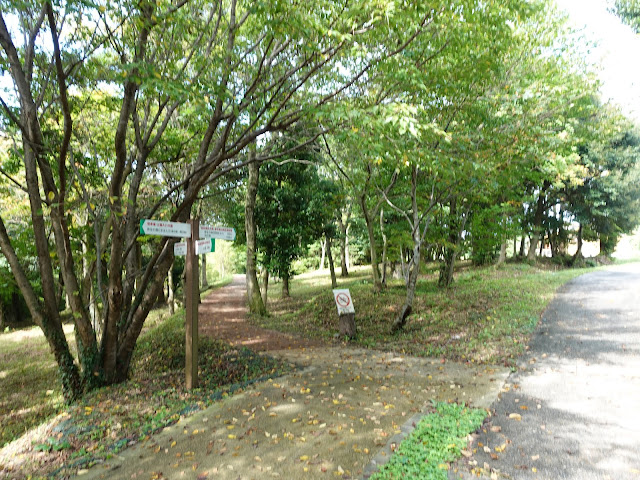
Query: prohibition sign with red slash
(343,300)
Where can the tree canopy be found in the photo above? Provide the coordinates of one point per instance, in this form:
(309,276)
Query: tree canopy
(450,125)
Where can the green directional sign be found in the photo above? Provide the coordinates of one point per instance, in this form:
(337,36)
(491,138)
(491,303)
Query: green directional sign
(164,229)
(205,246)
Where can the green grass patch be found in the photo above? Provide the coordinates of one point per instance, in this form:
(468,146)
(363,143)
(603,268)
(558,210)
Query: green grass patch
(486,316)
(29,390)
(435,442)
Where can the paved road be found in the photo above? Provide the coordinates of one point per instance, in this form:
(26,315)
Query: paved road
(577,392)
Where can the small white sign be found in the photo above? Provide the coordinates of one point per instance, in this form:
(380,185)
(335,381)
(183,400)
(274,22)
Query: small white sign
(222,233)
(205,246)
(164,229)
(180,249)
(343,301)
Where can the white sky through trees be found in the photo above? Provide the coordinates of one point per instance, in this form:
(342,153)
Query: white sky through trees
(618,50)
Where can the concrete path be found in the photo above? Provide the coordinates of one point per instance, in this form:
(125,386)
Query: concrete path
(572,411)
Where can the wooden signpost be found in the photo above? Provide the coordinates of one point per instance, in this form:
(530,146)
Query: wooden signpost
(192,247)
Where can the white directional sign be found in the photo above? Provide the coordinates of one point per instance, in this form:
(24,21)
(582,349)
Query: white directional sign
(343,301)
(180,249)
(165,229)
(205,246)
(223,233)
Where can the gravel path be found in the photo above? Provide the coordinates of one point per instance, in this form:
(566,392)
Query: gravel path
(572,411)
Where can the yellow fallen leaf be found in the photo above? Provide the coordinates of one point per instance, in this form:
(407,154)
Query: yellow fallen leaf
(304,458)
(231,436)
(515,416)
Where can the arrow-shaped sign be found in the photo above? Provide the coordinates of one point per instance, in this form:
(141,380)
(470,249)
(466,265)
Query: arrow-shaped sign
(222,233)
(205,246)
(165,229)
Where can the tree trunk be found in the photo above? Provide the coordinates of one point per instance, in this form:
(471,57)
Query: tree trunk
(377,285)
(537,223)
(332,270)
(412,279)
(446,269)
(578,253)
(503,253)
(265,287)
(256,305)
(285,286)
(204,281)
(541,244)
(522,244)
(171,294)
(323,247)
(384,249)
(347,325)
(344,272)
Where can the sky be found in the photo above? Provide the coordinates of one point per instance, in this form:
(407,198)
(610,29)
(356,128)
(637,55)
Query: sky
(618,51)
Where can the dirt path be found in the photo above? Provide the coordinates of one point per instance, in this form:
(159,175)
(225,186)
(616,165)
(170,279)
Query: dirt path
(222,315)
(338,416)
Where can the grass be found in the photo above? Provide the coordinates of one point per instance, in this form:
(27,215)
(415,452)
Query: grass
(29,390)
(109,419)
(486,316)
(437,440)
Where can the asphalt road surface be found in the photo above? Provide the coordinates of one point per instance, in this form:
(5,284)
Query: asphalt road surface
(572,411)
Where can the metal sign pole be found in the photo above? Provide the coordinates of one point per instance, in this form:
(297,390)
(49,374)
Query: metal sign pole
(191,315)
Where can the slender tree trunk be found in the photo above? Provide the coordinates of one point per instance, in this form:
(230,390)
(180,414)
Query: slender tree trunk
(265,287)
(204,281)
(503,253)
(537,223)
(346,250)
(446,268)
(343,226)
(578,253)
(522,245)
(332,270)
(323,247)
(285,286)
(171,296)
(377,284)
(541,244)
(412,279)
(503,246)
(384,249)
(256,305)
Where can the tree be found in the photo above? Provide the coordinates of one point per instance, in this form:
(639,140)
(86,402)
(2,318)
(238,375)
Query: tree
(191,85)
(291,212)
(629,13)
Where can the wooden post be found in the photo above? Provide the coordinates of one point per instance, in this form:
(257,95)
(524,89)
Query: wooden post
(191,301)
(347,325)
